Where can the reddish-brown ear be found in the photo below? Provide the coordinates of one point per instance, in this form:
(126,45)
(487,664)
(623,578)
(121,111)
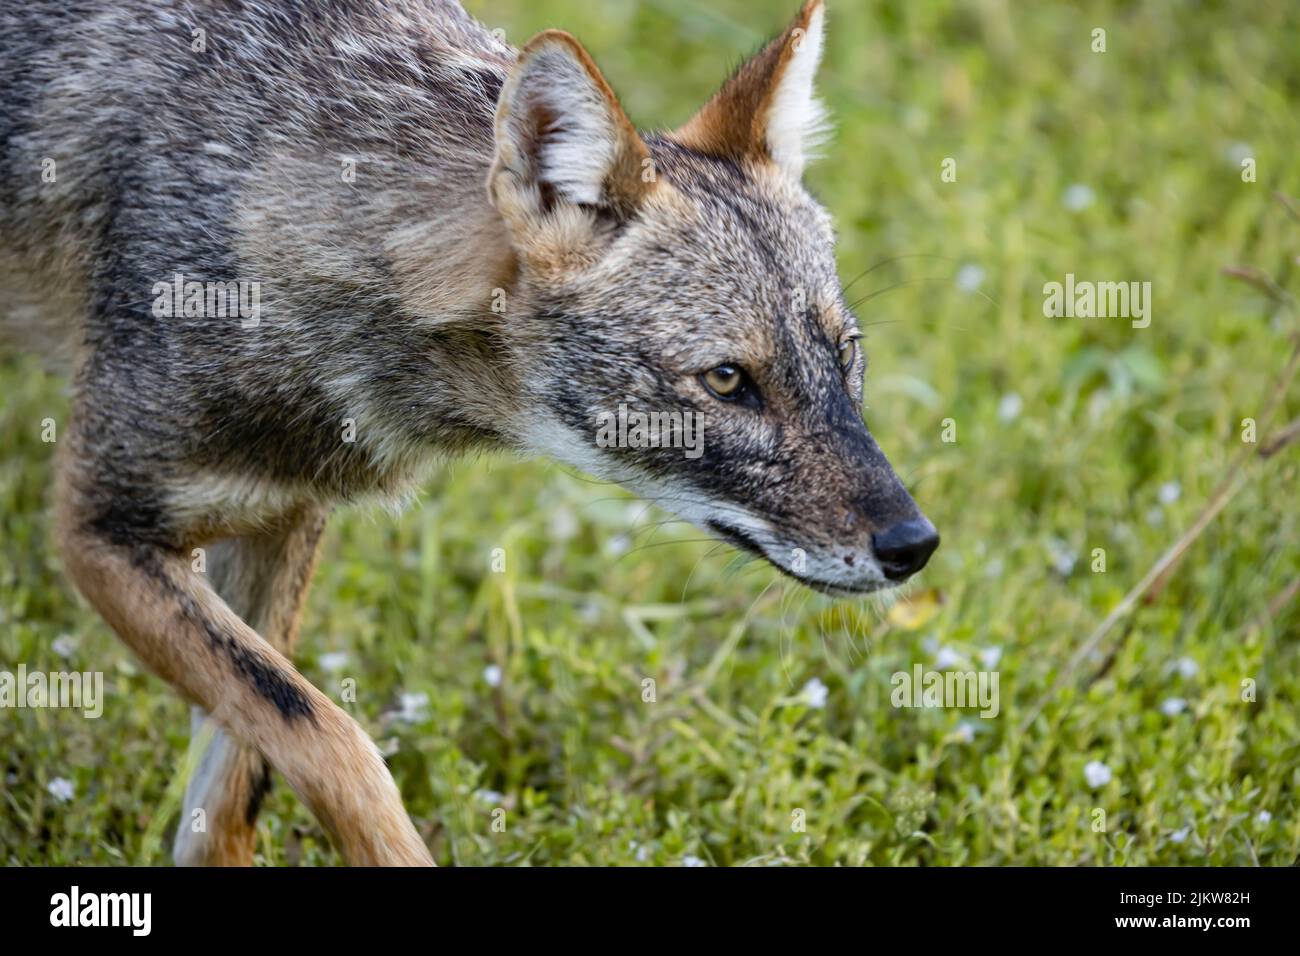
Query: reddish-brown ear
(768,110)
(561,136)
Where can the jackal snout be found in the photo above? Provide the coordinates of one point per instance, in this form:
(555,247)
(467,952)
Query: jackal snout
(901,537)
(860,529)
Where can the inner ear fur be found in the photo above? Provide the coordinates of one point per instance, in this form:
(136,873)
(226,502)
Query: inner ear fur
(561,131)
(766,110)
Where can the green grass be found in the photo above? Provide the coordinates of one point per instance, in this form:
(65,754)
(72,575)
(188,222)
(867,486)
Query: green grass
(715,768)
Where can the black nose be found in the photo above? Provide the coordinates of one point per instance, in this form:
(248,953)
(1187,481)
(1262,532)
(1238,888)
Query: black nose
(903,549)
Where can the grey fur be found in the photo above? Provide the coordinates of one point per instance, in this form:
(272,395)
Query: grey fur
(376,295)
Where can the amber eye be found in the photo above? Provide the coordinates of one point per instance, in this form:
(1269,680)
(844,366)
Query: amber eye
(725,381)
(848,355)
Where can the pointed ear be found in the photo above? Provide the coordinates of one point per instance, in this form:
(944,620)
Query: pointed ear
(562,139)
(768,110)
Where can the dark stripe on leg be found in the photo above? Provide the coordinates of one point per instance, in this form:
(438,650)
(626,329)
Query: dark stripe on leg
(261,787)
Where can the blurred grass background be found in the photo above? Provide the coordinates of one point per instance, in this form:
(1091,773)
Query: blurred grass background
(524,690)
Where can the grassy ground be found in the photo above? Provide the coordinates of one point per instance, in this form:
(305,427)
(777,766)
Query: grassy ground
(1071,435)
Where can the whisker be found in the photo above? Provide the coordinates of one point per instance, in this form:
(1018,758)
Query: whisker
(785,666)
(871,295)
(662,544)
(885,262)
(898,285)
(708,554)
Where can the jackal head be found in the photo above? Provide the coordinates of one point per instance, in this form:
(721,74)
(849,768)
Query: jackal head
(679,325)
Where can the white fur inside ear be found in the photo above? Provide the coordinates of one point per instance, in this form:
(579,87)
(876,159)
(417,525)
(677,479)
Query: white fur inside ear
(797,121)
(561,116)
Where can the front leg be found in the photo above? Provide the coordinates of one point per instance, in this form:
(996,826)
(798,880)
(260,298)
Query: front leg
(264,579)
(186,634)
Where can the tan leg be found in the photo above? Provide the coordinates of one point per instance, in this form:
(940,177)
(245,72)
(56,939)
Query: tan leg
(174,620)
(264,580)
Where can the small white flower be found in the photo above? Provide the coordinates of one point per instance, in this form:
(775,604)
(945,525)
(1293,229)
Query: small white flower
(1236,152)
(990,656)
(491,797)
(563,524)
(965,732)
(65,645)
(814,694)
(994,567)
(1173,706)
(61,789)
(970,277)
(1263,818)
(492,675)
(1096,773)
(642,854)
(1010,406)
(692,861)
(1169,492)
(1078,197)
(1187,667)
(333,661)
(413,707)
(618,545)
(1062,558)
(946,658)
(1178,836)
